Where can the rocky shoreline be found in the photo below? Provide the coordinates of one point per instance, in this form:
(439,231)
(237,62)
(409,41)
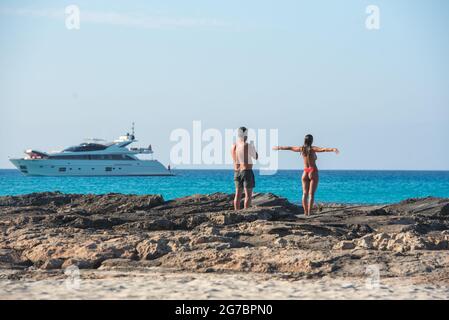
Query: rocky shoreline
(48,232)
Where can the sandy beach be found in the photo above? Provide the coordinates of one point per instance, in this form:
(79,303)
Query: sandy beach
(154,284)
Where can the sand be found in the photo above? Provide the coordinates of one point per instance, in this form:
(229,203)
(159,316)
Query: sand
(156,284)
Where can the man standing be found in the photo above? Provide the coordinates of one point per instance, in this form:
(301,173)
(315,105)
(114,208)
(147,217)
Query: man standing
(243,155)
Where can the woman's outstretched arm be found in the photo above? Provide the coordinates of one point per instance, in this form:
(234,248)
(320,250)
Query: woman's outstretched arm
(318,149)
(294,149)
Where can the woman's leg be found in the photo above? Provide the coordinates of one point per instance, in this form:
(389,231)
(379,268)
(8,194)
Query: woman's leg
(305,192)
(313,186)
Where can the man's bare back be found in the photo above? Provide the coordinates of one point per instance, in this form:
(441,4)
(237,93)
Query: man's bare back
(243,155)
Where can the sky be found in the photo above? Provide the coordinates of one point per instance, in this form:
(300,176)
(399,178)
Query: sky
(380,96)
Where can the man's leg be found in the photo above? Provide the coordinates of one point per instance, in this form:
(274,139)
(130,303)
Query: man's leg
(249,183)
(237,198)
(238,190)
(248,196)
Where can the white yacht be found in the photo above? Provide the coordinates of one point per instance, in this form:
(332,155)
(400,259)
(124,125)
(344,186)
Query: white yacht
(93,158)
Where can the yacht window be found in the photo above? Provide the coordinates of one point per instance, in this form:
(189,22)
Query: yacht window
(93,157)
(62,169)
(86,147)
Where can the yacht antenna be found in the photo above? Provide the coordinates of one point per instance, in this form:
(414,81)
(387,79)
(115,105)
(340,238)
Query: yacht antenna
(132,130)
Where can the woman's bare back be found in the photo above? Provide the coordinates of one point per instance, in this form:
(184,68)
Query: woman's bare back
(310,159)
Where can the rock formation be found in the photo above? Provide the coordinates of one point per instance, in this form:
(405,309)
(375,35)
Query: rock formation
(202,233)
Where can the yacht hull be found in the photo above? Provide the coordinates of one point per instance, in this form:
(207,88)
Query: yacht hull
(50,167)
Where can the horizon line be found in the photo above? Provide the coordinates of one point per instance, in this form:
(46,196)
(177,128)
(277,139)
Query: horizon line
(258,169)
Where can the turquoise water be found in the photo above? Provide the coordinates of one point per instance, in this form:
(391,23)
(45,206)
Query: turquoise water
(335,186)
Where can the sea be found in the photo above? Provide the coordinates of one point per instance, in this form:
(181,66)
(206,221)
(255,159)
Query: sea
(340,186)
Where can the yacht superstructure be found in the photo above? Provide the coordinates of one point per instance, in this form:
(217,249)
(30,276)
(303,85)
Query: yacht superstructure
(92,158)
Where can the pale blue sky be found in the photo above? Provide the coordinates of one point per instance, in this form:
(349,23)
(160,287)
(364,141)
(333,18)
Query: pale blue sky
(303,67)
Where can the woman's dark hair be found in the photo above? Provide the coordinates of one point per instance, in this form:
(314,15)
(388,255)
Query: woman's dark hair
(307,147)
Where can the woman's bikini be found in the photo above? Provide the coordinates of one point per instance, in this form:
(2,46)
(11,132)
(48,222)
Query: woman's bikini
(311,169)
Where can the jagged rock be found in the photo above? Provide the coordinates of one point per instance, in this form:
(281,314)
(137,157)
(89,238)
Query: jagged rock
(37,199)
(378,212)
(421,206)
(153,249)
(344,245)
(51,264)
(10,256)
(366,242)
(81,264)
(271,200)
(445,210)
(90,203)
(403,241)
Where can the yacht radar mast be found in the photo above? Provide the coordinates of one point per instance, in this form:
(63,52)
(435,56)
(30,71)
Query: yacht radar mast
(132,132)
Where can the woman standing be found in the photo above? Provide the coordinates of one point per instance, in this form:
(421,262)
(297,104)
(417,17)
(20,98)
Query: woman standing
(310,176)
